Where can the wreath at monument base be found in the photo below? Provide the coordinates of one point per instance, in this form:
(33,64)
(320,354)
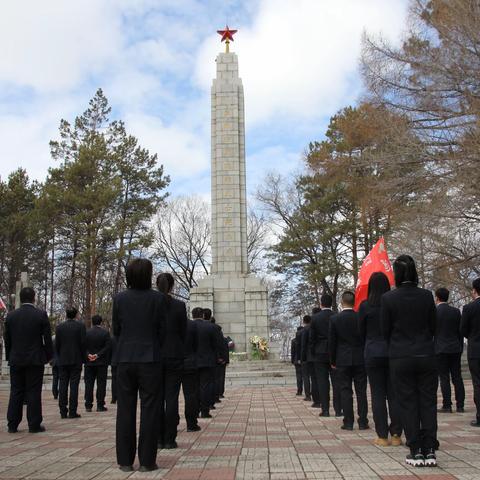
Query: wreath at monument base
(259,347)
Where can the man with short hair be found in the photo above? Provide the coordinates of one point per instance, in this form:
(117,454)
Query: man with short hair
(448,349)
(309,380)
(470,329)
(98,347)
(70,347)
(346,355)
(294,355)
(28,347)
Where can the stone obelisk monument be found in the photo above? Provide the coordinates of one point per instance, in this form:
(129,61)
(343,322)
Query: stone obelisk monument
(238,300)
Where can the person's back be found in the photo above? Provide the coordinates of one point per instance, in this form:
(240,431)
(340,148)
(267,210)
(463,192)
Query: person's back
(348,344)
(371,332)
(175,329)
(98,343)
(207,343)
(70,337)
(447,332)
(320,327)
(471,327)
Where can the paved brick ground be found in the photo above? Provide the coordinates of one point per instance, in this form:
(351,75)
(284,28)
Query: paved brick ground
(257,433)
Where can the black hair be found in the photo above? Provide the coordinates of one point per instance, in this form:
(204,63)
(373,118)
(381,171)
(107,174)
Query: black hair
(71,312)
(307,319)
(476,285)
(348,298)
(197,312)
(27,295)
(326,300)
(165,282)
(404,270)
(316,310)
(378,284)
(97,320)
(139,274)
(299,328)
(207,314)
(212,319)
(442,294)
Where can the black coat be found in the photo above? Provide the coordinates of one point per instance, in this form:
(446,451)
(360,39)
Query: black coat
(298,345)
(191,346)
(28,337)
(139,319)
(319,330)
(113,349)
(306,353)
(447,332)
(98,342)
(173,345)
(70,343)
(345,343)
(470,327)
(371,332)
(407,319)
(208,344)
(293,350)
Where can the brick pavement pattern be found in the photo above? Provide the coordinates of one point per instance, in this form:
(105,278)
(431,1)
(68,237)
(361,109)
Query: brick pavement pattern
(256,433)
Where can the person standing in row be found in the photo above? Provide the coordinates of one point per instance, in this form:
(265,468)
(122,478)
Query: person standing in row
(28,347)
(407,319)
(319,329)
(306,374)
(113,369)
(470,329)
(139,319)
(376,363)
(98,346)
(448,349)
(296,359)
(70,346)
(173,354)
(346,356)
(224,356)
(55,377)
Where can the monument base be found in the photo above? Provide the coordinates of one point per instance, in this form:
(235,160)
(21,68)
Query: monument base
(239,304)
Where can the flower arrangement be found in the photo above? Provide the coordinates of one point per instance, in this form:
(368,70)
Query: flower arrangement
(259,347)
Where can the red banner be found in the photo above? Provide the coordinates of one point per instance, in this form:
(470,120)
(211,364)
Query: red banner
(376,261)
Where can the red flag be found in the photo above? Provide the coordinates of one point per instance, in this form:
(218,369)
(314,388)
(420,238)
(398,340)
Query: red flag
(2,305)
(376,261)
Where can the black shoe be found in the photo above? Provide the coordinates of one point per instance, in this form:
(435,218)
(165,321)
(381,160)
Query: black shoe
(363,426)
(299,394)
(205,415)
(38,429)
(63,415)
(316,405)
(12,430)
(221,396)
(55,397)
(307,399)
(170,445)
(160,446)
(150,468)
(194,428)
(217,400)
(324,413)
(213,407)
(445,410)
(113,401)
(460,410)
(102,409)
(415,459)
(430,457)
(74,415)
(126,468)
(347,427)
(338,414)
(88,409)
(475,423)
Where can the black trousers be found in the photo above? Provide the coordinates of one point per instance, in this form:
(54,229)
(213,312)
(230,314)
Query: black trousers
(449,365)
(298,374)
(113,369)
(191,391)
(337,394)
(133,380)
(25,385)
(168,415)
(69,377)
(321,372)
(90,374)
(55,379)
(415,383)
(474,366)
(346,375)
(307,380)
(219,381)
(381,392)
(207,388)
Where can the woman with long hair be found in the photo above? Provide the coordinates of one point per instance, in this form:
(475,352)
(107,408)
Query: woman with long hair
(408,317)
(376,364)
(173,354)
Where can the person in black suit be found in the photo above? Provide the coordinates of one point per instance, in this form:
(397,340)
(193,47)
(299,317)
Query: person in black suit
(296,362)
(113,369)
(407,320)
(376,364)
(449,348)
(190,378)
(70,346)
(28,347)
(96,365)
(55,377)
(139,323)
(173,354)
(224,358)
(470,329)
(306,360)
(346,356)
(319,330)
(207,359)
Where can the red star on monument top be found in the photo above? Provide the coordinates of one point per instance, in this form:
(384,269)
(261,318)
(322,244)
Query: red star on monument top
(227,34)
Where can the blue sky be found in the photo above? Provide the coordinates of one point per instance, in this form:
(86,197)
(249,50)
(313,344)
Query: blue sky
(155,60)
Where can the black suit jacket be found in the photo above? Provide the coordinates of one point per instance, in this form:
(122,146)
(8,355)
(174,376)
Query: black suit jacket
(98,342)
(470,327)
(319,330)
(191,346)
(208,344)
(139,319)
(293,348)
(371,332)
(346,345)
(298,345)
(28,337)
(447,332)
(173,345)
(113,350)
(306,355)
(407,319)
(70,343)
